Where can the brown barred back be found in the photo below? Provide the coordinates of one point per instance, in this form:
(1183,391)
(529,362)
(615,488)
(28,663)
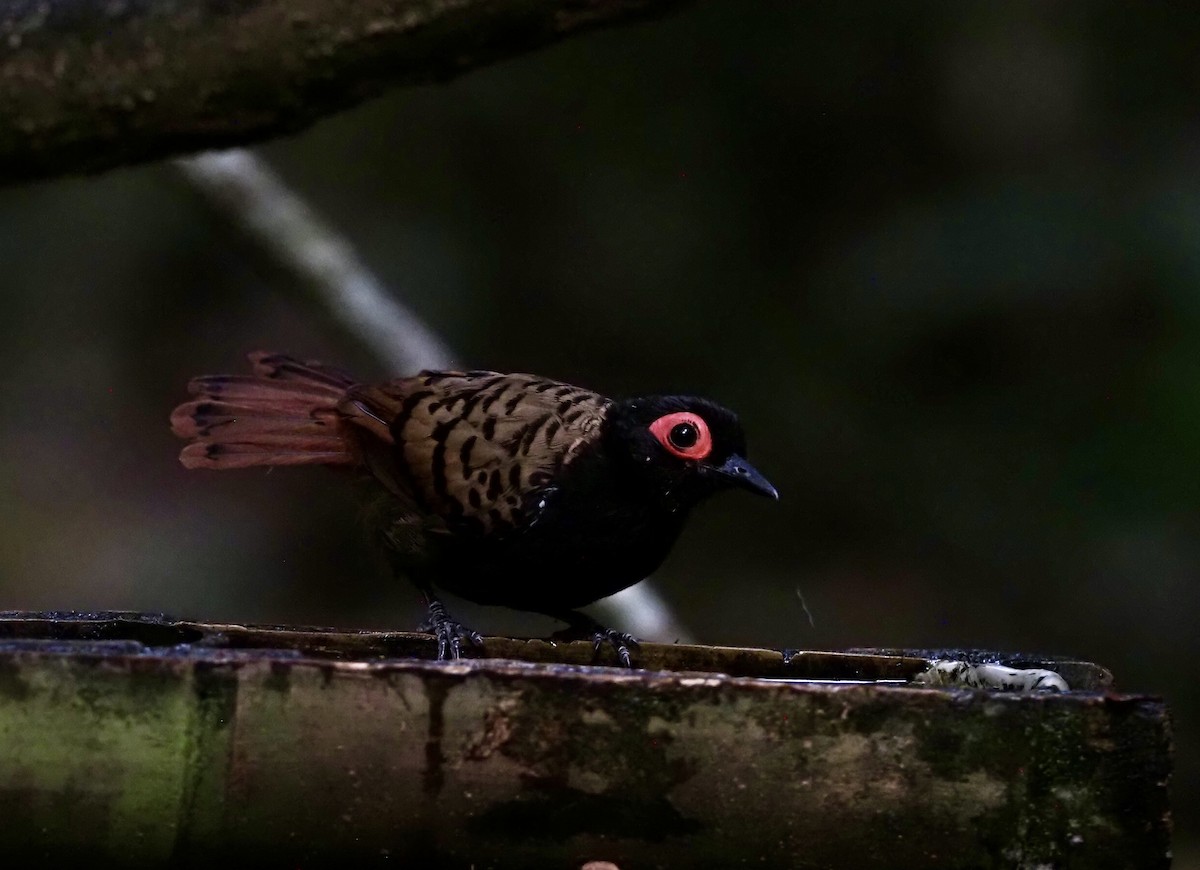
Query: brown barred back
(474,443)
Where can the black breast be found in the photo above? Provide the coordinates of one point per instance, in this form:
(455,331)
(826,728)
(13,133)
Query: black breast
(590,533)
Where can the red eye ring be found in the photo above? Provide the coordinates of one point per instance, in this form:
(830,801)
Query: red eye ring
(677,425)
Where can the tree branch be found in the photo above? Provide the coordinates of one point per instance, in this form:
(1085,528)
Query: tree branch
(244,189)
(87,85)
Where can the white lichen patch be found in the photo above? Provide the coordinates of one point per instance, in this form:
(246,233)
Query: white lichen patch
(1000,678)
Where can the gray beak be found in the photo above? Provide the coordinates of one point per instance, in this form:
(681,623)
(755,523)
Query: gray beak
(738,472)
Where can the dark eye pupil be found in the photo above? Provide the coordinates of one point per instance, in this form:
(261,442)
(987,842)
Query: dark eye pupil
(684,435)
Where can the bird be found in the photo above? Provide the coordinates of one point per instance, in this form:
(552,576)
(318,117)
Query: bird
(504,489)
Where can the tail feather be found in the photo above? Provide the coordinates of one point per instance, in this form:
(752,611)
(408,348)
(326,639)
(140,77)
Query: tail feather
(226,455)
(255,389)
(204,415)
(278,366)
(284,414)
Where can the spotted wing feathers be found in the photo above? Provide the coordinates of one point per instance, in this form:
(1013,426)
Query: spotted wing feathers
(451,447)
(475,444)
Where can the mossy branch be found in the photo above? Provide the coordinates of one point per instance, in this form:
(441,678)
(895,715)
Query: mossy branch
(86,85)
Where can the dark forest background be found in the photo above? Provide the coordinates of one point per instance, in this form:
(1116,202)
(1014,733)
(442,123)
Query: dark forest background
(945,261)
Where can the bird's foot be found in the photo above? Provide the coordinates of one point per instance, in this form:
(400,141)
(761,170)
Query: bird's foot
(619,640)
(449,632)
(583,627)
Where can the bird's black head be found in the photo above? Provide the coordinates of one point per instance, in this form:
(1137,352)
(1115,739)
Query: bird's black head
(682,448)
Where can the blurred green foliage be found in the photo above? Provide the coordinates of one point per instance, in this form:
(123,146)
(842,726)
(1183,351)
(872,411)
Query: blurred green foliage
(944,260)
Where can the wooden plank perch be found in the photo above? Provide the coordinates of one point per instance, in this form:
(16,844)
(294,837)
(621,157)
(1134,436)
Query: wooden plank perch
(86,85)
(136,740)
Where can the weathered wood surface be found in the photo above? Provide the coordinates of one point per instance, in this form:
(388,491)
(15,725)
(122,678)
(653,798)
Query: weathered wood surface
(129,740)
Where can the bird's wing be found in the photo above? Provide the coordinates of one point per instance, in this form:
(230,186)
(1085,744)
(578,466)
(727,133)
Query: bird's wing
(474,445)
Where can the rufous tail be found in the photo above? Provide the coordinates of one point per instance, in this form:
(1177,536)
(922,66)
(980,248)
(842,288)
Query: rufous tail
(283,414)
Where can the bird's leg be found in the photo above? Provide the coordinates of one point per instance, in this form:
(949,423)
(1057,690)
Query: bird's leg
(581,626)
(449,633)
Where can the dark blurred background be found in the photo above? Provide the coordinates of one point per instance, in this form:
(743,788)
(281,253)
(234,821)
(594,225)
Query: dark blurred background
(945,261)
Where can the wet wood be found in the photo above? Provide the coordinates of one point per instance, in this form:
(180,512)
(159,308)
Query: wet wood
(136,740)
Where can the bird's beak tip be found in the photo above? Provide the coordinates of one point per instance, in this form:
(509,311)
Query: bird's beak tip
(738,472)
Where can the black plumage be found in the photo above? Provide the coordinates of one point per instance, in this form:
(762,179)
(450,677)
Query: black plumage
(506,489)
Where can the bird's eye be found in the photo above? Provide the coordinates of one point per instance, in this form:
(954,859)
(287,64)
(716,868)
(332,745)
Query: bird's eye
(683,434)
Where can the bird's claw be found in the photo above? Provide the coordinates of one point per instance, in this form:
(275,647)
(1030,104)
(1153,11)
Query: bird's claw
(620,642)
(449,632)
(451,635)
(580,626)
